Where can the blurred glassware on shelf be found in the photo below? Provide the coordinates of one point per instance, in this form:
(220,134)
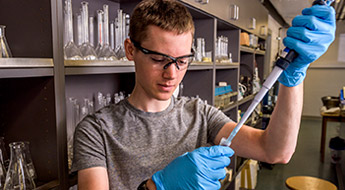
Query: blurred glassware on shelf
(91,31)
(222,54)
(73,119)
(28,160)
(112,35)
(2,174)
(99,31)
(71,50)
(2,165)
(4,156)
(86,48)
(106,52)
(18,175)
(5,49)
(121,33)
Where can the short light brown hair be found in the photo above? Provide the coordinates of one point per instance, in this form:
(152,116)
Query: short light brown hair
(168,15)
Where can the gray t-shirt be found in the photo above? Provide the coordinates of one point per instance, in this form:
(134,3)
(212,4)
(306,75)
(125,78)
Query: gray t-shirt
(133,144)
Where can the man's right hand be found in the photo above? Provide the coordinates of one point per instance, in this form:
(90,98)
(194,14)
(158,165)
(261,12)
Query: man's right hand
(199,169)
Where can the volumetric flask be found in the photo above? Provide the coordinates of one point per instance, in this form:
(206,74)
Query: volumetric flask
(5,49)
(18,176)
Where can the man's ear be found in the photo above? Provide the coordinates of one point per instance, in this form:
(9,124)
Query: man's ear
(129,48)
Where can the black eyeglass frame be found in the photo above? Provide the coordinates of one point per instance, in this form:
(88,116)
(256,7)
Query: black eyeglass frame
(174,59)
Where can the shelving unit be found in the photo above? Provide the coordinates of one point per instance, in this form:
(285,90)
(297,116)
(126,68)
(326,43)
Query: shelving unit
(37,82)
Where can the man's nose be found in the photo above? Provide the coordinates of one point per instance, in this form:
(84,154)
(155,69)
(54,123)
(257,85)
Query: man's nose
(170,70)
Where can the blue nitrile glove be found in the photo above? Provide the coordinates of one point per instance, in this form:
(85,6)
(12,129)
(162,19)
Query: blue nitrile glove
(199,169)
(310,35)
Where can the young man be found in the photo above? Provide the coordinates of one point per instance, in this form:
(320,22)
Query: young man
(142,141)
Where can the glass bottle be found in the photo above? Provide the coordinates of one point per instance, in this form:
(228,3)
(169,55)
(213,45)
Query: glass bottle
(86,49)
(5,49)
(71,51)
(106,52)
(18,176)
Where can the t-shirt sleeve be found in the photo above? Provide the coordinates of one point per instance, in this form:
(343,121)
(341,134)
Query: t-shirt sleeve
(216,119)
(88,145)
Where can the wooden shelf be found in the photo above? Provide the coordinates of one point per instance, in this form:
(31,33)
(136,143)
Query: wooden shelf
(25,67)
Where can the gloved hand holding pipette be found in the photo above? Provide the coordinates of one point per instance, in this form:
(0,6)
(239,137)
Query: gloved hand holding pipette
(310,35)
(199,169)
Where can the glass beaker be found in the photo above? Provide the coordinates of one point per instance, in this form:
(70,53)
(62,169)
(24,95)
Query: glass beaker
(18,176)
(71,51)
(5,49)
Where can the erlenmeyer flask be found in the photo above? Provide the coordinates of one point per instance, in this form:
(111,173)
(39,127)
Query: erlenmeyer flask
(5,49)
(28,160)
(71,51)
(4,156)
(106,52)
(2,172)
(86,49)
(18,176)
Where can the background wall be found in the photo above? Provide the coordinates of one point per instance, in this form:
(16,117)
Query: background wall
(273,28)
(325,77)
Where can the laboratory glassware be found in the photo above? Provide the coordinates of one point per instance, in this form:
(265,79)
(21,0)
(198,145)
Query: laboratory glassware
(199,48)
(86,49)
(4,156)
(100,33)
(108,99)
(18,176)
(79,30)
(74,116)
(91,32)
(85,108)
(5,49)
(28,160)
(2,173)
(112,36)
(71,50)
(120,34)
(116,98)
(106,52)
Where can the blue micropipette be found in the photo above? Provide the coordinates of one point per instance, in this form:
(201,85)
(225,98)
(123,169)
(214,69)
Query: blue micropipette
(281,64)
